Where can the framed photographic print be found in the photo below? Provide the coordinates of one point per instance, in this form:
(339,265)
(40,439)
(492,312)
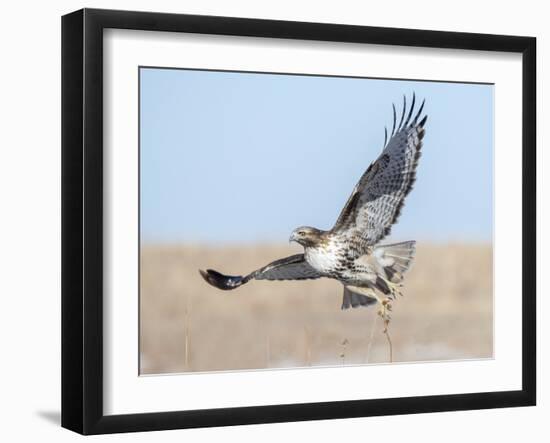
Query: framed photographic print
(269,221)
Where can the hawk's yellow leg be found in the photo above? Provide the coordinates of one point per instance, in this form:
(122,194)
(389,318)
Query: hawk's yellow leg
(395,289)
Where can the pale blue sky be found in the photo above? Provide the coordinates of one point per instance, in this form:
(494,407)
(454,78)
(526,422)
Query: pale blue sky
(235,157)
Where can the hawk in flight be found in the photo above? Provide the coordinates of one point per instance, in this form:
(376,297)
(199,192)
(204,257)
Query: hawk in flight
(351,252)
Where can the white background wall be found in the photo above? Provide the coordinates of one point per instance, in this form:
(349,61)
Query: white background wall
(30,218)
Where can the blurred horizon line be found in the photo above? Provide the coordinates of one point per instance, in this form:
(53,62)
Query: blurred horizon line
(245,244)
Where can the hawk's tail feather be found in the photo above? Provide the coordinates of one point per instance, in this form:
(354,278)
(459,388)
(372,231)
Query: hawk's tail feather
(395,259)
(221,281)
(355,300)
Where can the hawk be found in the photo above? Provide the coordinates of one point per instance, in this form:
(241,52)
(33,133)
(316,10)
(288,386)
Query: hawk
(351,252)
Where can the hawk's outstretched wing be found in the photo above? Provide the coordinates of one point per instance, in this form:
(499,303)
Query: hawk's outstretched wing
(377,199)
(294,267)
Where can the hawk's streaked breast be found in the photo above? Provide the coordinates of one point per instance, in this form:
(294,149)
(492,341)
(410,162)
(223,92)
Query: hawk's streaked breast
(326,257)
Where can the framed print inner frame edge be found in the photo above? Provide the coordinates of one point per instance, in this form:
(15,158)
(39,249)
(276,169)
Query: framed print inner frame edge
(82,220)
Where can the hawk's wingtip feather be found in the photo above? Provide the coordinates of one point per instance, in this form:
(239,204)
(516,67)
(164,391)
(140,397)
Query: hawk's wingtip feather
(220,280)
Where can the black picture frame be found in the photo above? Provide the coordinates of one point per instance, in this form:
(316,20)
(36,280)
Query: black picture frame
(82,220)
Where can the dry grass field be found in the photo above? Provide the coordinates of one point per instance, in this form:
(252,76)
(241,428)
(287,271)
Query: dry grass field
(186,325)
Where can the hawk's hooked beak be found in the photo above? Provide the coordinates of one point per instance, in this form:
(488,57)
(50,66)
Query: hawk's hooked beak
(292,238)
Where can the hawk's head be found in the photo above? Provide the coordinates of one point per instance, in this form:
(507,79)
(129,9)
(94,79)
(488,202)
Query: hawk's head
(306,236)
